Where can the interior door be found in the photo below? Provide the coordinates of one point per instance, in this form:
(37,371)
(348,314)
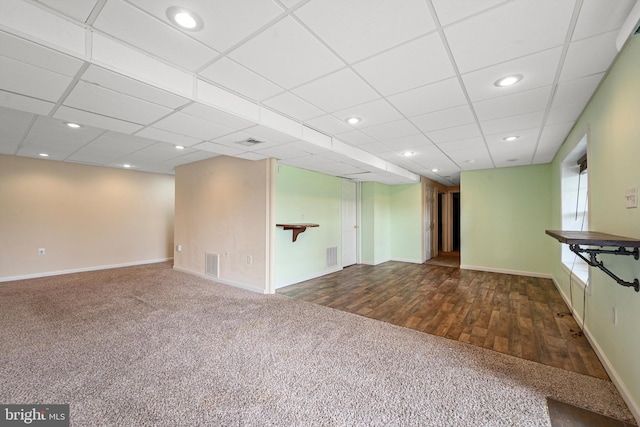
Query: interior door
(430,197)
(349,223)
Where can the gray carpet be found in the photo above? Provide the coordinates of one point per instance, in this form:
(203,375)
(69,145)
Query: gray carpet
(148,345)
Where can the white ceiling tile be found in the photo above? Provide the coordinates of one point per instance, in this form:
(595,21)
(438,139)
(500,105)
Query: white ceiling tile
(355,137)
(293,106)
(449,11)
(514,104)
(512,123)
(589,56)
(252,156)
(220,149)
(576,91)
(55,138)
(371,113)
(239,79)
(544,156)
(186,124)
(356,30)
(91,97)
(38,56)
(191,157)
(424,61)
(408,142)
(597,16)
(77,9)
(13,126)
(287,54)
(376,148)
(109,148)
(284,151)
(214,115)
(140,30)
(455,133)
(430,98)
(391,130)
(135,88)
(337,91)
(269,135)
(29,80)
(166,136)
(525,136)
(471,144)
(225,22)
(537,70)
(328,124)
(96,120)
(25,103)
(564,113)
(443,119)
(559,131)
(504,33)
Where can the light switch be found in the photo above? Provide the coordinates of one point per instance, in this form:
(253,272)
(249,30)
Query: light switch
(632,197)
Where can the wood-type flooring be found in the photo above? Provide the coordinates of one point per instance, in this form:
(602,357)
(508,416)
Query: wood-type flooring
(522,316)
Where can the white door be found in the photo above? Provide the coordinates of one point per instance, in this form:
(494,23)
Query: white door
(349,223)
(428,221)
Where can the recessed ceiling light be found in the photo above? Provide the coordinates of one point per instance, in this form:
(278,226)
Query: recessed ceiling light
(409,153)
(179,147)
(470,161)
(508,81)
(73,125)
(126,165)
(510,138)
(353,120)
(43,155)
(435,170)
(184,18)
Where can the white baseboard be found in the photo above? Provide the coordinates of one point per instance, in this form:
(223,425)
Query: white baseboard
(409,260)
(505,271)
(634,406)
(82,270)
(309,277)
(222,281)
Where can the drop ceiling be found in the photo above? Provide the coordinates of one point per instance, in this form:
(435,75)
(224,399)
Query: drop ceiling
(418,73)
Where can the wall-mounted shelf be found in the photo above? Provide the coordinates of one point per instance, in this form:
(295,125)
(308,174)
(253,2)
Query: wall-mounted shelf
(297,228)
(593,238)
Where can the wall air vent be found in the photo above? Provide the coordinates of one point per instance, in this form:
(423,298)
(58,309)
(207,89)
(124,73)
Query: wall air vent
(249,142)
(212,265)
(332,256)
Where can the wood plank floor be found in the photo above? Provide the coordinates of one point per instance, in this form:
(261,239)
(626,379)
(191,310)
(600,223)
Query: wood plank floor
(521,316)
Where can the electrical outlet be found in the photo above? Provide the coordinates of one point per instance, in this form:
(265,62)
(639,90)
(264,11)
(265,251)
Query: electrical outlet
(249,259)
(42,251)
(179,248)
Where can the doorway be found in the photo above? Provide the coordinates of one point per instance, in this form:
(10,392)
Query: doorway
(349,223)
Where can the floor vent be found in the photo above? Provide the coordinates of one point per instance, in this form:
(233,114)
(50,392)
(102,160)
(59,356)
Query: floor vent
(212,267)
(332,256)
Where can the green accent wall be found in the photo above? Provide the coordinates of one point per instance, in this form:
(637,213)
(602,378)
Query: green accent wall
(612,123)
(306,197)
(504,215)
(391,223)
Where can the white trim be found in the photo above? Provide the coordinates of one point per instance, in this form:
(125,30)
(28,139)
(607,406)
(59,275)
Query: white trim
(222,281)
(634,407)
(82,270)
(375,263)
(309,277)
(505,271)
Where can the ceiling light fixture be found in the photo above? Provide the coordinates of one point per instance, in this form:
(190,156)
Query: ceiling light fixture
(126,165)
(73,125)
(435,170)
(508,81)
(184,18)
(179,147)
(409,153)
(353,120)
(510,138)
(43,155)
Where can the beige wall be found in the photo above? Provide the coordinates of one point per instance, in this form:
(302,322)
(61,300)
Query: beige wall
(84,216)
(224,204)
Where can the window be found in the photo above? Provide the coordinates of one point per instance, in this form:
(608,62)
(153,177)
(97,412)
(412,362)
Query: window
(575,206)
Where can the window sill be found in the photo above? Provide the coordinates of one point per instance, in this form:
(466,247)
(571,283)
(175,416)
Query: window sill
(579,276)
